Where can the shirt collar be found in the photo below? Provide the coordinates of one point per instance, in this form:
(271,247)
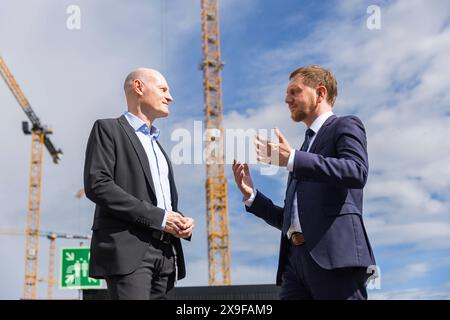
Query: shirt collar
(139,125)
(320,120)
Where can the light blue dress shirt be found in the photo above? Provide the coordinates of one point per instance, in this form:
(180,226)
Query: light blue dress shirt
(158,164)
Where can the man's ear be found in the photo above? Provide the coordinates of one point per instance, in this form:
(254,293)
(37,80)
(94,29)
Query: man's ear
(321,93)
(138,87)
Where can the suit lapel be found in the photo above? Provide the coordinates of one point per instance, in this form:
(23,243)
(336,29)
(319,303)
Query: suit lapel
(317,142)
(143,159)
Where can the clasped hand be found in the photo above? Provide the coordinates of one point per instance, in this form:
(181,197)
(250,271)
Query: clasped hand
(179,226)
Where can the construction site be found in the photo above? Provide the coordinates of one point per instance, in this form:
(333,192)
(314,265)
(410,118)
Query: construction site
(227,63)
(41,140)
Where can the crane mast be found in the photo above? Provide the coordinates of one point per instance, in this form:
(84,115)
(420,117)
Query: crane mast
(216,184)
(39,138)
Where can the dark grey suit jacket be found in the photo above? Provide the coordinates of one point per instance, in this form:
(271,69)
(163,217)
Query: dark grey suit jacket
(331,177)
(117,178)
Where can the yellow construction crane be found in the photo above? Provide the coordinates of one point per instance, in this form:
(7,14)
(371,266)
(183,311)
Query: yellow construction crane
(52,236)
(216,183)
(39,137)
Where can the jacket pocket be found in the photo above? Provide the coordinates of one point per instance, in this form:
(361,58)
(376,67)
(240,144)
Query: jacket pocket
(341,209)
(108,224)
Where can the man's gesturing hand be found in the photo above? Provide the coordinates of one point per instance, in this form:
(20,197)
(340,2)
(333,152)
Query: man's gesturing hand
(243,178)
(273,153)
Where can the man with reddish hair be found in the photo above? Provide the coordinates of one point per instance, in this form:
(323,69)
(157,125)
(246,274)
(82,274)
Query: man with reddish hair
(325,251)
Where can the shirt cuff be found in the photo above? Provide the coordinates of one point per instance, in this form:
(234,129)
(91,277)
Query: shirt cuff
(249,201)
(163,224)
(290,164)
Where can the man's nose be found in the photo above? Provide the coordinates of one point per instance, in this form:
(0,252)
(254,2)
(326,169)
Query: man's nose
(169,97)
(287,99)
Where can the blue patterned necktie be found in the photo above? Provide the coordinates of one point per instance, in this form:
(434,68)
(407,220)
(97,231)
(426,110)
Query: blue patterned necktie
(292,186)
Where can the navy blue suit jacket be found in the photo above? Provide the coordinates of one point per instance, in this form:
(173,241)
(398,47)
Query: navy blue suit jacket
(331,178)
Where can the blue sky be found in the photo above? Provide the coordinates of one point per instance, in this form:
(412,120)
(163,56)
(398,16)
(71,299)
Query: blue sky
(395,79)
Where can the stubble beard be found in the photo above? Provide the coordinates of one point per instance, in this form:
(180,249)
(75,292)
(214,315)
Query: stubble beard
(302,112)
(298,115)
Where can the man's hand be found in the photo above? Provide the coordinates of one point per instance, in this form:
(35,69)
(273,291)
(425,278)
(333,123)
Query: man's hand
(273,153)
(179,226)
(187,232)
(175,223)
(243,178)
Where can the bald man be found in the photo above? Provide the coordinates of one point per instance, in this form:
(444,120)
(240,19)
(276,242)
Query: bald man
(137,227)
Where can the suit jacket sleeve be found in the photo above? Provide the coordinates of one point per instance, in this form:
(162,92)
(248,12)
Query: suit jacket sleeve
(100,187)
(265,209)
(350,166)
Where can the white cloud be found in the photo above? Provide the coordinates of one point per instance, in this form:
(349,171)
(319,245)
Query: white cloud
(410,294)
(409,272)
(394,79)
(422,235)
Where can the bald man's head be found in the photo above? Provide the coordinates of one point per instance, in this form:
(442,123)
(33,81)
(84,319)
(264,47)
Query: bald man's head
(143,74)
(147,92)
